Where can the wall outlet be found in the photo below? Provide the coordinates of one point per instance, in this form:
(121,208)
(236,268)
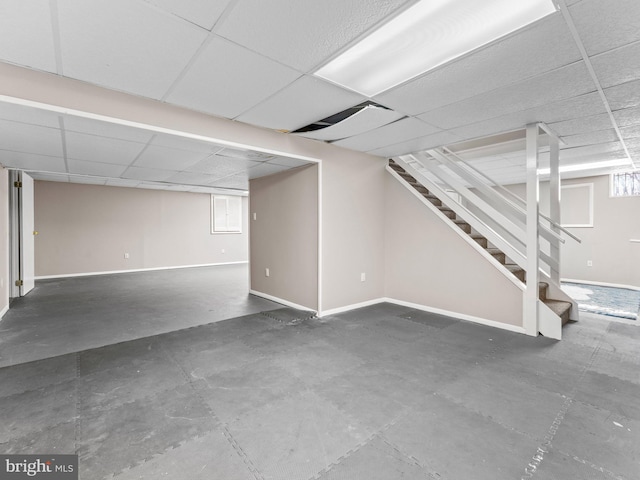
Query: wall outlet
(266,272)
(255,216)
(363,277)
(126,255)
(1,282)
(222,251)
(589,263)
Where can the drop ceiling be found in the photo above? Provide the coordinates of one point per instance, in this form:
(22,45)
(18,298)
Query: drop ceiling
(253,61)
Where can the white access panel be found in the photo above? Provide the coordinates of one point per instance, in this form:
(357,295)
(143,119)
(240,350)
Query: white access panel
(27,226)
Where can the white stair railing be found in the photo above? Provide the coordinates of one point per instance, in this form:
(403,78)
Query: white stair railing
(498,214)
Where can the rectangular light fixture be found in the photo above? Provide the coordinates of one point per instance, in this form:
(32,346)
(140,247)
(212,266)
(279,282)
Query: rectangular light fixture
(587,166)
(425,36)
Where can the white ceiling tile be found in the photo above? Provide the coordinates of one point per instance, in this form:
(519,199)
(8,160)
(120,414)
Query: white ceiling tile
(265,169)
(631,131)
(179,188)
(119,182)
(46,177)
(106,129)
(149,174)
(581,106)
(633,143)
(391,134)
(303,33)
(153,186)
(627,116)
(94,148)
(240,182)
(33,116)
(289,162)
(26,36)
(87,180)
(165,158)
(618,66)
(606,25)
(417,144)
(227,80)
(204,13)
(22,137)
(80,167)
(31,161)
(561,84)
(221,166)
(183,143)
(624,95)
(580,125)
(125,45)
(543,47)
(305,101)
(189,178)
(591,138)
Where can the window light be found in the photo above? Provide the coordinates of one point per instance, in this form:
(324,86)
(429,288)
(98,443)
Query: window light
(426,35)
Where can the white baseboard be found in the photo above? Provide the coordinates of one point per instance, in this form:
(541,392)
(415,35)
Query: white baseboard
(461,316)
(112,272)
(282,301)
(3,311)
(347,308)
(424,308)
(600,284)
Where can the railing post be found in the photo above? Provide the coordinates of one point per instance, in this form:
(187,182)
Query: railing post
(530,304)
(554,202)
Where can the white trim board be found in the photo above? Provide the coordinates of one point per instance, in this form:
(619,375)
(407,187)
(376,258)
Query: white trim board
(601,284)
(416,306)
(282,301)
(113,272)
(3,312)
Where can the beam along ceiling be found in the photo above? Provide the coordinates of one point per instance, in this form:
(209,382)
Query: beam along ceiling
(252,61)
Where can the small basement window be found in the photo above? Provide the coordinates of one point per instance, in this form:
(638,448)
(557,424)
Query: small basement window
(226,214)
(625,184)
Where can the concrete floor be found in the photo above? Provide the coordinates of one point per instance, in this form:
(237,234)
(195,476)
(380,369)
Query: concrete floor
(382,392)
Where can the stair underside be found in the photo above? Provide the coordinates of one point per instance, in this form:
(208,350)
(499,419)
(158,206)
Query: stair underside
(559,307)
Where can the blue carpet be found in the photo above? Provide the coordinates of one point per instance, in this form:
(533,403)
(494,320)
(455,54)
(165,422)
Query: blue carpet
(615,302)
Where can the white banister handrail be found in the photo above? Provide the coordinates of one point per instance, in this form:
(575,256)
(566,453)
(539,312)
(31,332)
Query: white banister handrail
(499,202)
(480,226)
(511,194)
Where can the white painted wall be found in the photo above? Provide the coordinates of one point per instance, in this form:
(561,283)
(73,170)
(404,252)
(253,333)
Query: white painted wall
(89,228)
(616,221)
(284,236)
(428,263)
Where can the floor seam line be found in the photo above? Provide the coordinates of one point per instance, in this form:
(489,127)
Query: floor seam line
(225,429)
(546,445)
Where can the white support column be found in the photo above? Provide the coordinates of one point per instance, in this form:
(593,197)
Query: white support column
(554,202)
(530,304)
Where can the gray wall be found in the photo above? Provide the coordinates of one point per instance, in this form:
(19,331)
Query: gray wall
(284,235)
(606,244)
(4,240)
(89,228)
(428,263)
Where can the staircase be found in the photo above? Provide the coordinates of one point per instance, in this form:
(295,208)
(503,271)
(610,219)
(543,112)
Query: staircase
(559,307)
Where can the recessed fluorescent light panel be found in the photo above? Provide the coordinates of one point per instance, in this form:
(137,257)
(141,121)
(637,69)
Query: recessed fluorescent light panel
(426,35)
(587,166)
